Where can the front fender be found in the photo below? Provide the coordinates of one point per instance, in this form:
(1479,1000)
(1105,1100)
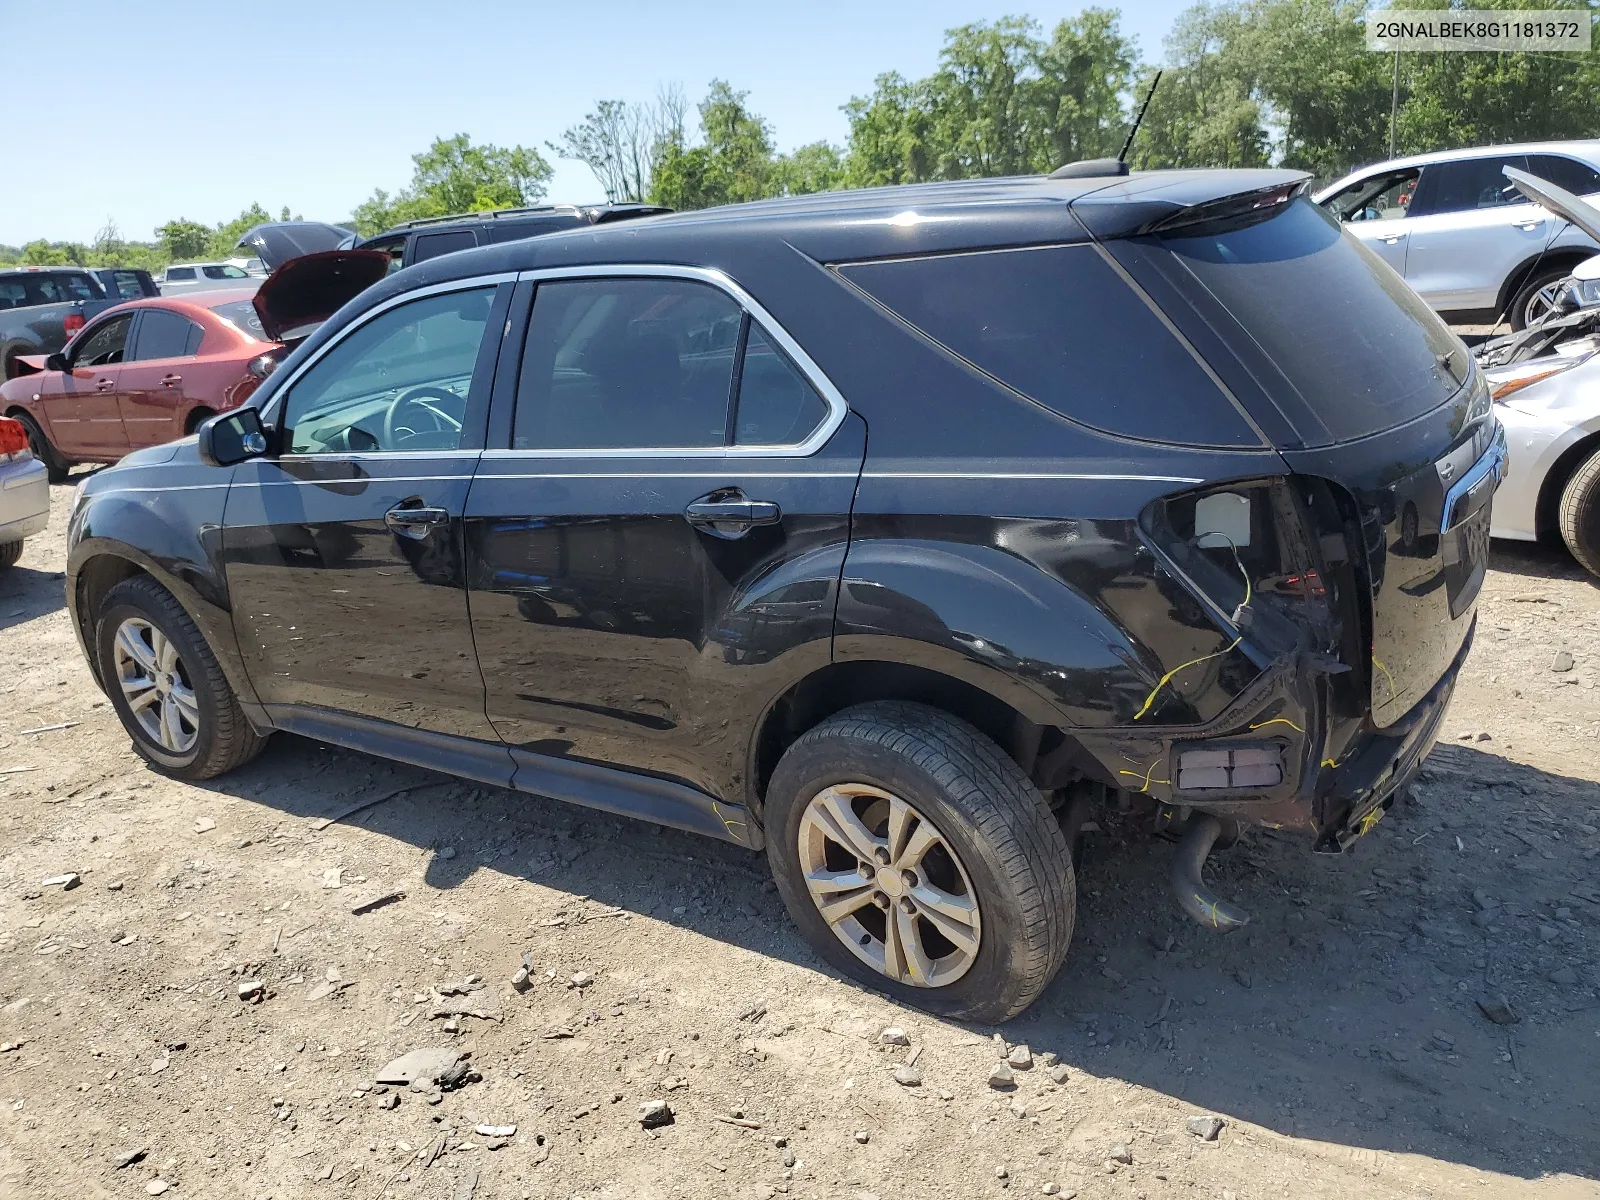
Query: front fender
(172,531)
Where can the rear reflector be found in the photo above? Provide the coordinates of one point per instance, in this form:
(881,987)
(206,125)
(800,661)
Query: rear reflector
(1229,770)
(13,437)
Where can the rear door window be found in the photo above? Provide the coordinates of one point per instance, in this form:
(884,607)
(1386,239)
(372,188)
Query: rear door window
(164,335)
(179,274)
(1362,349)
(74,285)
(432,245)
(1469,184)
(1059,325)
(128,284)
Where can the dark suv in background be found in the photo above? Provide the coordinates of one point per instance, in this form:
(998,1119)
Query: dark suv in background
(892,532)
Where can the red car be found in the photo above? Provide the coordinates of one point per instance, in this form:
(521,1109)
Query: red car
(149,371)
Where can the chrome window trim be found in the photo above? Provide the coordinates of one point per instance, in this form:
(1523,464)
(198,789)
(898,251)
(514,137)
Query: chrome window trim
(268,410)
(831,396)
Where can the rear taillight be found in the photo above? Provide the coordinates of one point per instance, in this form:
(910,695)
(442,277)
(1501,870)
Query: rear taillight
(72,323)
(13,437)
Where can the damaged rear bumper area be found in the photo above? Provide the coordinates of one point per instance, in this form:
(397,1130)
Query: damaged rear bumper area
(1267,761)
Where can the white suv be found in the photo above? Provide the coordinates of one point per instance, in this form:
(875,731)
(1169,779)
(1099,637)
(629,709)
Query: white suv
(1462,235)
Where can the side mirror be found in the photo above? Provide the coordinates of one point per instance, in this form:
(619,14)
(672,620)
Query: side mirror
(232,437)
(57,362)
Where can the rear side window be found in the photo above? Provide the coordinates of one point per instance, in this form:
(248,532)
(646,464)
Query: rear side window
(128,284)
(74,286)
(1577,177)
(1359,346)
(164,335)
(1059,325)
(1470,184)
(179,274)
(432,245)
(515,231)
(777,404)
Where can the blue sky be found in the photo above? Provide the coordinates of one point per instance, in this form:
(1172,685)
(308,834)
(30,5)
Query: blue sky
(206,108)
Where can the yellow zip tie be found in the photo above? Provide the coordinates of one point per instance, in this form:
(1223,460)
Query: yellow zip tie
(1167,678)
(1146,776)
(1392,689)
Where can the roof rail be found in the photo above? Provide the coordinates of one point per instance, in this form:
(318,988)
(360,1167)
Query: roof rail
(492,214)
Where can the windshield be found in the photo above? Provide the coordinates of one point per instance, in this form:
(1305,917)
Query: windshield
(1360,348)
(241,314)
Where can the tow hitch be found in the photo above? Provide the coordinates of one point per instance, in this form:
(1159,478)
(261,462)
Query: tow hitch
(1188,885)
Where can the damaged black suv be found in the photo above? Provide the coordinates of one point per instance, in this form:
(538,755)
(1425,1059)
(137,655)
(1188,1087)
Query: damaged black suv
(891,532)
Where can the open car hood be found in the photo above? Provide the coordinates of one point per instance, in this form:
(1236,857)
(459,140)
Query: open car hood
(1558,200)
(277,242)
(309,289)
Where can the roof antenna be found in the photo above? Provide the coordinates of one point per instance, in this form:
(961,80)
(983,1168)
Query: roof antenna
(1099,168)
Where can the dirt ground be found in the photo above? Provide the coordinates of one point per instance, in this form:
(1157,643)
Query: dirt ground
(1339,1036)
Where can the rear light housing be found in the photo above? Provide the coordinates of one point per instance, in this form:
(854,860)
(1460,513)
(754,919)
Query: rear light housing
(13,439)
(72,322)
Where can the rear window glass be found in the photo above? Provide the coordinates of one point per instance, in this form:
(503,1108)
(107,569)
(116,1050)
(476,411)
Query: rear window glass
(1362,349)
(1059,325)
(241,314)
(1565,172)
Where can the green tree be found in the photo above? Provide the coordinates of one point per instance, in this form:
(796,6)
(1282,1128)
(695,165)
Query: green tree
(41,253)
(183,238)
(619,141)
(451,176)
(1206,111)
(814,167)
(224,241)
(890,133)
(734,161)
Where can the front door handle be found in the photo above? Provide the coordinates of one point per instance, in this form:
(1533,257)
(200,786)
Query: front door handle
(415,521)
(104,385)
(1389,241)
(1529,226)
(171,380)
(730,513)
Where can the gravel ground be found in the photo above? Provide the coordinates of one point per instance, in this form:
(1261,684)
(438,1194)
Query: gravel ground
(1342,1039)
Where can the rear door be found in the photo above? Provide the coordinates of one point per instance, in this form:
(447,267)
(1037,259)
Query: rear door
(151,393)
(1471,230)
(86,415)
(661,540)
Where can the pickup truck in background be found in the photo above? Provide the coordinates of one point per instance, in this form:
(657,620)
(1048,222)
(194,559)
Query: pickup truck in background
(41,308)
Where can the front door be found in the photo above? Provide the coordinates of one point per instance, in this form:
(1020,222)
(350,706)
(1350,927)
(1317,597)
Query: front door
(1377,210)
(84,415)
(151,394)
(664,533)
(343,552)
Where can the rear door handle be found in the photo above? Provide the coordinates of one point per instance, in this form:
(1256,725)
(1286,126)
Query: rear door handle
(1389,241)
(730,513)
(415,521)
(171,380)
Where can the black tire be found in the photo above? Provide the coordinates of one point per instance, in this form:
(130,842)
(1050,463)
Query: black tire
(1518,309)
(10,552)
(55,465)
(1579,518)
(999,826)
(224,739)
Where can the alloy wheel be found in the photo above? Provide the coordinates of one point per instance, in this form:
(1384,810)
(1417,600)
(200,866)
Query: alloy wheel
(889,885)
(1541,304)
(156,686)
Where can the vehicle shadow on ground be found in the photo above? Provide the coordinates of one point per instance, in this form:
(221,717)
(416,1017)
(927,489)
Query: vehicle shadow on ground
(1535,560)
(27,593)
(1345,1013)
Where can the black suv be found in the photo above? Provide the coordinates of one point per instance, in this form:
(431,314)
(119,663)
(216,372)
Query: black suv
(891,532)
(417,241)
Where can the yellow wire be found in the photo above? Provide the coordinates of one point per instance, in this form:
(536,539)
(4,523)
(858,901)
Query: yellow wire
(1167,678)
(1278,721)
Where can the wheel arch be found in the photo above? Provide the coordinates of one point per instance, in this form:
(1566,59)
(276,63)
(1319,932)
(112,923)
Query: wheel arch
(1525,269)
(1048,754)
(1547,508)
(197,414)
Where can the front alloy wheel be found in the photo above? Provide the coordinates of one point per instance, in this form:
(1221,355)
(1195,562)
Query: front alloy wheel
(156,685)
(889,885)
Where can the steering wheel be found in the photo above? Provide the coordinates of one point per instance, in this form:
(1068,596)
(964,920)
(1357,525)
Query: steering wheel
(413,398)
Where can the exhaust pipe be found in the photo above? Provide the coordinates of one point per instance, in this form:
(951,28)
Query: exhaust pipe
(1193,896)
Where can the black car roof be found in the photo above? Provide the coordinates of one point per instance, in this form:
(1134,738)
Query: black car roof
(867,223)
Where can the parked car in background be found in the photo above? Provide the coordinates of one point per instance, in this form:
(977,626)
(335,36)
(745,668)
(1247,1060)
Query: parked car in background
(596,516)
(149,371)
(125,283)
(276,242)
(1462,235)
(198,277)
(24,492)
(42,307)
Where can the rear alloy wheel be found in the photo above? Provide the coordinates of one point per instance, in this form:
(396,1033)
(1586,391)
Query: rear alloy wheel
(1580,514)
(166,685)
(56,467)
(1536,298)
(918,859)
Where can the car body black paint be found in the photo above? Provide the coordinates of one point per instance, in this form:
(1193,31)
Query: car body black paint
(964,485)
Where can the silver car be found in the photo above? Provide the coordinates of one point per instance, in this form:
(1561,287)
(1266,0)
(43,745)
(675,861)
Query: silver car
(1466,240)
(24,492)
